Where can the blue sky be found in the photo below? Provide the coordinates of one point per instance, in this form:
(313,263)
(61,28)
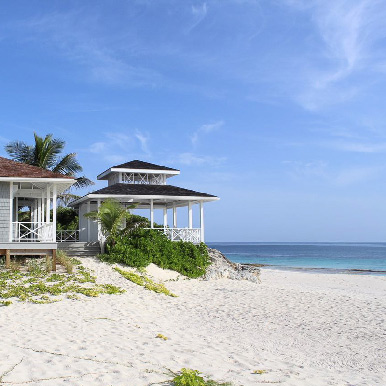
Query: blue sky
(277,106)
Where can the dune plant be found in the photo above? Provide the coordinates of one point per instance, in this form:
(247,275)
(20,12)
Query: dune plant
(190,377)
(144,281)
(144,246)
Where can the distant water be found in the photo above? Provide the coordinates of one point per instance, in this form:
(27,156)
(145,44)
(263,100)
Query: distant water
(365,258)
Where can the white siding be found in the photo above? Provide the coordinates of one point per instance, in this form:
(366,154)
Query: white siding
(4,211)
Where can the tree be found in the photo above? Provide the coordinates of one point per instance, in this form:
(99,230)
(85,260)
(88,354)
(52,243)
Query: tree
(46,153)
(112,217)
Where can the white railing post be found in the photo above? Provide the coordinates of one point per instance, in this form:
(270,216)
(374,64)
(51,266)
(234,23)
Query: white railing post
(10,210)
(165,217)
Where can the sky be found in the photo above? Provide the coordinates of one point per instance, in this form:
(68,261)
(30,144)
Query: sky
(277,107)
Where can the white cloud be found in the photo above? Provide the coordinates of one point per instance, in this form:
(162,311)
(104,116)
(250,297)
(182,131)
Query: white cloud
(348,33)
(143,139)
(199,13)
(205,129)
(192,159)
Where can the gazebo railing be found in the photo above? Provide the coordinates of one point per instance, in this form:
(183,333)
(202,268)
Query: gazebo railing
(67,236)
(32,231)
(192,235)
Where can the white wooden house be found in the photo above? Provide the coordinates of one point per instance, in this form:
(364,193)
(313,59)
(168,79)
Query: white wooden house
(145,185)
(29,186)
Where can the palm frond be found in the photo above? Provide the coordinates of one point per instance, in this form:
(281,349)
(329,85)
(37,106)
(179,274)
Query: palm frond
(68,165)
(21,152)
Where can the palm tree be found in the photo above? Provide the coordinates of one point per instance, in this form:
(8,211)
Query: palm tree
(112,217)
(46,153)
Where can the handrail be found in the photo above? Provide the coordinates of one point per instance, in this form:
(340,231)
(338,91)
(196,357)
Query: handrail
(67,235)
(192,235)
(32,231)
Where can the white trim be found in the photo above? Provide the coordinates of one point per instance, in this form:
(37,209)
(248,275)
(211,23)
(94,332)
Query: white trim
(48,204)
(143,197)
(127,170)
(29,179)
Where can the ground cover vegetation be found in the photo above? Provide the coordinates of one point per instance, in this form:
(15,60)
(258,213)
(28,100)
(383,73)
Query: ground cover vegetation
(128,241)
(143,281)
(189,377)
(35,282)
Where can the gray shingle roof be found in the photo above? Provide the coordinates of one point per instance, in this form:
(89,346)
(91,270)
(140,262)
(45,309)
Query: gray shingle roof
(149,190)
(136,164)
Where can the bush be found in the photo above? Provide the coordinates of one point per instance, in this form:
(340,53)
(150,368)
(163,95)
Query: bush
(144,246)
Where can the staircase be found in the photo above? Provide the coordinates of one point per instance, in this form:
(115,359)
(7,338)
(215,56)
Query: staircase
(79,249)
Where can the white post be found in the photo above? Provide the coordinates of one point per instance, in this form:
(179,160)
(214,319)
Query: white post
(54,198)
(165,216)
(99,225)
(174,216)
(202,221)
(89,221)
(39,211)
(151,213)
(48,205)
(190,215)
(10,211)
(16,214)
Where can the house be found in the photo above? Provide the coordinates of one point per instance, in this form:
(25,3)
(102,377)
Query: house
(141,183)
(145,185)
(23,185)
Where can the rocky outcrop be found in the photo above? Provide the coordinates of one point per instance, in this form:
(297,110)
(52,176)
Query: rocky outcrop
(221,267)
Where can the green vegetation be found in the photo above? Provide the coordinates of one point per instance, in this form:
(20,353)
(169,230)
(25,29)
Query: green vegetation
(66,218)
(189,377)
(145,282)
(163,337)
(46,153)
(141,247)
(39,285)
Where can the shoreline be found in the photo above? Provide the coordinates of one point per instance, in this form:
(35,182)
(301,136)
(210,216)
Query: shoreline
(349,271)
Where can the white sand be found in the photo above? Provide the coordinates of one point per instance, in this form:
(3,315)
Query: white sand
(304,329)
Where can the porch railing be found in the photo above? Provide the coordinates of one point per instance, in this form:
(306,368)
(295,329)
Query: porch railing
(66,236)
(182,234)
(32,231)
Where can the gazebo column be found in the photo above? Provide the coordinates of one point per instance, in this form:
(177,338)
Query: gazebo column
(99,224)
(165,216)
(190,215)
(151,213)
(54,197)
(202,221)
(89,221)
(174,216)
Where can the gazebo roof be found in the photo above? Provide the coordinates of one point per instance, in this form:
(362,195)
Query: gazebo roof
(138,166)
(146,192)
(14,169)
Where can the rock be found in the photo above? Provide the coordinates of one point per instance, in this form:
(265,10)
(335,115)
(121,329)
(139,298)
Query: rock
(221,268)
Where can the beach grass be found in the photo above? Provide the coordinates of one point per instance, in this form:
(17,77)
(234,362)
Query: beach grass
(37,284)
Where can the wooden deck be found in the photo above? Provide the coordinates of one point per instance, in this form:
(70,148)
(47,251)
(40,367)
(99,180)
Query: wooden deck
(28,249)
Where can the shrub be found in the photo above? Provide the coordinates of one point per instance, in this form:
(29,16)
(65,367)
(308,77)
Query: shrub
(144,246)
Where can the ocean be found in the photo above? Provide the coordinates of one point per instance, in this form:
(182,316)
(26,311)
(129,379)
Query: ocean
(360,258)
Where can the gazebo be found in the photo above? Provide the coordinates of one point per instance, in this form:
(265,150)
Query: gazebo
(145,185)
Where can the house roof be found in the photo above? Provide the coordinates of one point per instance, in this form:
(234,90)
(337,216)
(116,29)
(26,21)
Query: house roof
(149,190)
(10,168)
(137,164)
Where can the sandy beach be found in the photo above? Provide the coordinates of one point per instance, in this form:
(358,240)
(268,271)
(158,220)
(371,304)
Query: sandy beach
(300,328)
